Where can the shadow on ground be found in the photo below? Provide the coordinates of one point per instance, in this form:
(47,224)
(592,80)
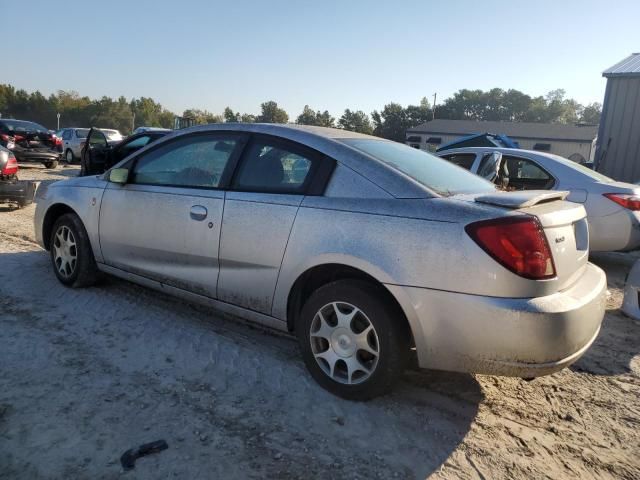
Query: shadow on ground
(93,372)
(619,339)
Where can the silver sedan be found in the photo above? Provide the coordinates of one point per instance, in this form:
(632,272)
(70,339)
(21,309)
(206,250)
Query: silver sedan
(613,208)
(371,252)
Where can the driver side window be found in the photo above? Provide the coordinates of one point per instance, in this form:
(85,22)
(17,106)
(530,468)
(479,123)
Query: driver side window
(196,161)
(97,139)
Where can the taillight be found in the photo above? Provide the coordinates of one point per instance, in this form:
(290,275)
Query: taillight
(516,243)
(11,168)
(627,200)
(4,137)
(58,140)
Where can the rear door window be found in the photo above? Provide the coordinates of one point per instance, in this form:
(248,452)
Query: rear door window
(523,174)
(274,167)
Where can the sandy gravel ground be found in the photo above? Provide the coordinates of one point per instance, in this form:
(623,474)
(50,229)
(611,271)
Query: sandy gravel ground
(87,374)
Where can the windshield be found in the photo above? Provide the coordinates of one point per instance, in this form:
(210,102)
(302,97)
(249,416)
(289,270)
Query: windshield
(23,126)
(433,172)
(598,177)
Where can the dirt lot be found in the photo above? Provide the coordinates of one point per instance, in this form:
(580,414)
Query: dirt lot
(88,374)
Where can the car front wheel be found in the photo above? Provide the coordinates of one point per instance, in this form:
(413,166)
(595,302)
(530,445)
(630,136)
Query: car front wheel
(354,343)
(71,254)
(53,164)
(69,157)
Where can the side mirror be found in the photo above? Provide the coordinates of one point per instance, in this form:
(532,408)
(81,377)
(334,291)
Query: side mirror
(119,175)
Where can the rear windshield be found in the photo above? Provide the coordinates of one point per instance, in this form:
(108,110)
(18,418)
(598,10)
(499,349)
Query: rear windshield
(23,126)
(82,132)
(598,177)
(433,172)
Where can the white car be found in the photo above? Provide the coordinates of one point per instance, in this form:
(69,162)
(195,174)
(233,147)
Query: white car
(113,136)
(613,208)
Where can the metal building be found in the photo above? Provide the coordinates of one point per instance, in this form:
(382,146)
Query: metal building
(618,143)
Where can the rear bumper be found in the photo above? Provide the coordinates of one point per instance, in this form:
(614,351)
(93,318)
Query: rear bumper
(526,337)
(36,157)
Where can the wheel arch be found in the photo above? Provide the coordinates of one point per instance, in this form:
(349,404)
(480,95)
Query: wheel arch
(54,212)
(317,276)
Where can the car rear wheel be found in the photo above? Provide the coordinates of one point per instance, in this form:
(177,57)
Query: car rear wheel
(69,156)
(354,344)
(53,164)
(71,254)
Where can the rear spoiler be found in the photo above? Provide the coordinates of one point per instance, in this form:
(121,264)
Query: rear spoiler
(521,199)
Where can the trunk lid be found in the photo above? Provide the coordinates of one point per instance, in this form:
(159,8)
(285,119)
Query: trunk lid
(34,141)
(564,223)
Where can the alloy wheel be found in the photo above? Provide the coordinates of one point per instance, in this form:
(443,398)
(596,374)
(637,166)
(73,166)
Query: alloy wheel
(344,342)
(65,251)
(69,156)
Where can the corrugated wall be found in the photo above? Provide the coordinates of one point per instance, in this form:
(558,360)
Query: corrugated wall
(618,154)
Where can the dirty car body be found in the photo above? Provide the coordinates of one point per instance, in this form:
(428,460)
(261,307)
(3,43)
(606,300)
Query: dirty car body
(344,206)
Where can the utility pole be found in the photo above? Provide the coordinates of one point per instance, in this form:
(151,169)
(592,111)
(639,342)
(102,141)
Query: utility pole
(433,109)
(133,122)
(58,115)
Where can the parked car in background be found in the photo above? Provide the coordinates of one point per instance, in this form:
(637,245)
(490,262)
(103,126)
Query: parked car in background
(359,245)
(150,129)
(19,193)
(613,208)
(73,139)
(30,142)
(112,135)
(99,154)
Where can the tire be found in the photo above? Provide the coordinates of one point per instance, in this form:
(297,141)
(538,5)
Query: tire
(69,157)
(82,272)
(386,349)
(52,164)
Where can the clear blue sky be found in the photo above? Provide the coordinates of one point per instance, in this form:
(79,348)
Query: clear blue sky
(325,53)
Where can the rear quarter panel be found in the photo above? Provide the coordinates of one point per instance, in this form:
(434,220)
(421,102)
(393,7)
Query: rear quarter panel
(399,250)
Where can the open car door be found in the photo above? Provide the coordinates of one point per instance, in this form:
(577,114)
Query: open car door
(95,153)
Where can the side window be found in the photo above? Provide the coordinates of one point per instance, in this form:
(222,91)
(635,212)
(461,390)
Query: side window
(270,167)
(196,161)
(97,139)
(137,143)
(67,134)
(464,160)
(523,174)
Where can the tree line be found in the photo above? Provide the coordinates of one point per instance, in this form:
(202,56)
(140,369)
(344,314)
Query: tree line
(390,122)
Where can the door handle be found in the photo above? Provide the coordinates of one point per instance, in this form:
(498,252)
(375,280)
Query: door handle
(198,212)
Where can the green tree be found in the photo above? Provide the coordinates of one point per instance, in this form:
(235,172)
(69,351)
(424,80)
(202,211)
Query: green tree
(317,118)
(307,117)
(392,122)
(419,114)
(230,116)
(202,117)
(271,113)
(357,121)
(591,113)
